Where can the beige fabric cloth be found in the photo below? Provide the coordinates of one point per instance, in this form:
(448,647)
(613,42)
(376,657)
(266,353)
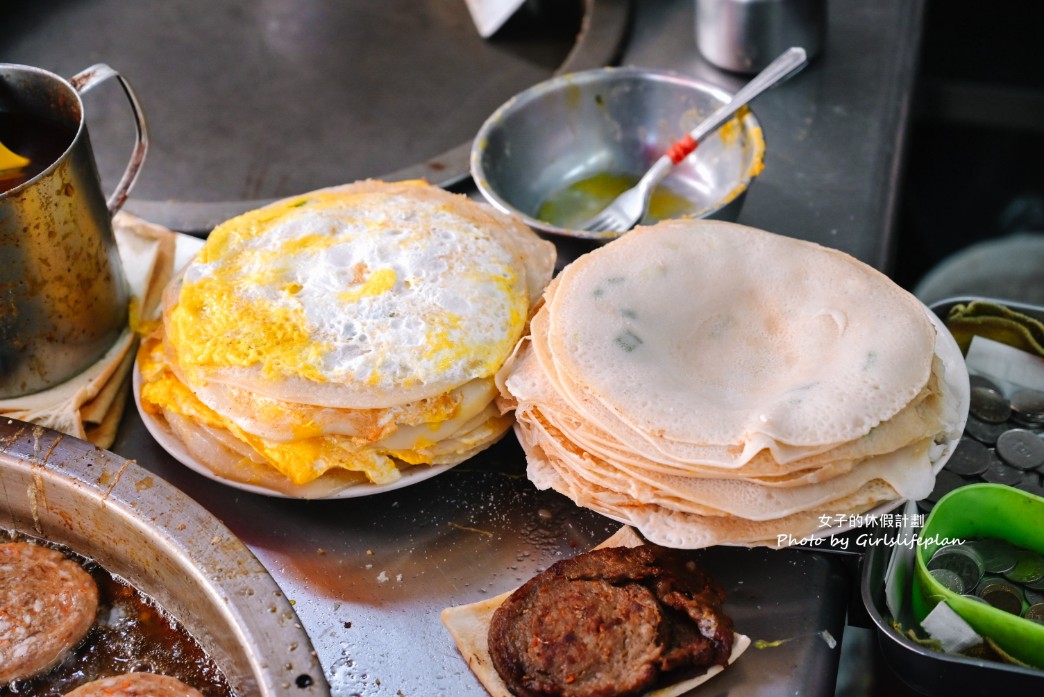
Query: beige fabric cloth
(90,405)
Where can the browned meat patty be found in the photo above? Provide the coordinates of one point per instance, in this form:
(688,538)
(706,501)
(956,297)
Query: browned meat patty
(136,685)
(609,623)
(47,604)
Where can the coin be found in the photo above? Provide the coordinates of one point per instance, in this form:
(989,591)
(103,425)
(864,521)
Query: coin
(962,560)
(969,458)
(997,556)
(945,482)
(1021,448)
(1029,567)
(1032,597)
(1001,473)
(1031,487)
(984,432)
(989,406)
(1028,406)
(1037,585)
(983,381)
(1001,595)
(949,580)
(987,580)
(1035,613)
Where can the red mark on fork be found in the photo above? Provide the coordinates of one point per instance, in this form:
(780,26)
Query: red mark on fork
(681,149)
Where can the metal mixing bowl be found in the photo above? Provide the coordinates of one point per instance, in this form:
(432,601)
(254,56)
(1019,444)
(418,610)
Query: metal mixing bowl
(169,547)
(615,121)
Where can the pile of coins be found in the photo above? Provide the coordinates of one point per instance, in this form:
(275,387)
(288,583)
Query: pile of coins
(994,572)
(1003,443)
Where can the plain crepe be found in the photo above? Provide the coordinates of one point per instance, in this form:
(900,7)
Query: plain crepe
(711,383)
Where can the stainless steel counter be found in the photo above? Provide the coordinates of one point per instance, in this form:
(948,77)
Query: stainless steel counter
(368,576)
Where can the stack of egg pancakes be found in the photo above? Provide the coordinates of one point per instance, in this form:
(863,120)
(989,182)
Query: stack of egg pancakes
(338,337)
(710,383)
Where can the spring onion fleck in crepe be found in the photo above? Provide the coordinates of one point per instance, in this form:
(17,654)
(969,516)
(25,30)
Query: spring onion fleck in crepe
(711,383)
(344,334)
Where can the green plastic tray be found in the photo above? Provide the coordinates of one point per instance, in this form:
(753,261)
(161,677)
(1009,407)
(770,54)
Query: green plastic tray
(983,510)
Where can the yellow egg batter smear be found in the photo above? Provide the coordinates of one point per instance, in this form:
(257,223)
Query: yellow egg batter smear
(389,290)
(301,461)
(212,325)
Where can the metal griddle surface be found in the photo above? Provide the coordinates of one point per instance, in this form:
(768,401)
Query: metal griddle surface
(369,576)
(255,100)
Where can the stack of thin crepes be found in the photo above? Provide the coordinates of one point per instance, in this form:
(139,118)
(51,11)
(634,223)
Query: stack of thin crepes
(338,337)
(710,383)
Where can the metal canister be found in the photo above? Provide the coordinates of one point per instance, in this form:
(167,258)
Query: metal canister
(745,35)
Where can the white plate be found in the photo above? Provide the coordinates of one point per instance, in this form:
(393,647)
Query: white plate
(173,445)
(956,380)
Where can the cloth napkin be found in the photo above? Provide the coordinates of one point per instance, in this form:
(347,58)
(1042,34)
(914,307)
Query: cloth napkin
(90,405)
(997,322)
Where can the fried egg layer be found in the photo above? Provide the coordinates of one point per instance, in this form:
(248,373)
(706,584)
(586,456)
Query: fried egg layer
(344,334)
(384,290)
(448,437)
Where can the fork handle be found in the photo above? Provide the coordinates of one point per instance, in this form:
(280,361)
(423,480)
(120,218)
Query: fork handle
(788,63)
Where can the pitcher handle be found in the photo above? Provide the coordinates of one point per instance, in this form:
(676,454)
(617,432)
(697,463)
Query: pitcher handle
(84,81)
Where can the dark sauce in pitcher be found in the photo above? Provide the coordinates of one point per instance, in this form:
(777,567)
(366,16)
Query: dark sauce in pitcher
(41,139)
(131,634)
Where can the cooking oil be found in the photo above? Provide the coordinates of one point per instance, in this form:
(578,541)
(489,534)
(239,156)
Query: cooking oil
(571,206)
(131,634)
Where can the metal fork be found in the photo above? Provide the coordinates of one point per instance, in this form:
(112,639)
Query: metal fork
(629,207)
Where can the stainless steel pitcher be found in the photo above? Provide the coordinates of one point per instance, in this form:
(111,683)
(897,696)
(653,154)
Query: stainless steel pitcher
(63,293)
